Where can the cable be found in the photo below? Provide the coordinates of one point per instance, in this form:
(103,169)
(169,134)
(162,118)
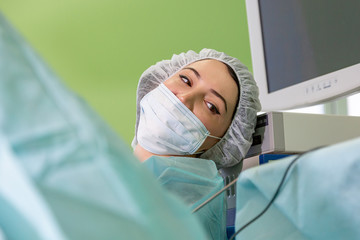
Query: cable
(214,196)
(274,196)
(267,206)
(218,193)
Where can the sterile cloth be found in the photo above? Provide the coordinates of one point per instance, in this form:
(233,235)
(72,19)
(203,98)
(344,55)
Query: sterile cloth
(23,212)
(320,198)
(194,180)
(87,181)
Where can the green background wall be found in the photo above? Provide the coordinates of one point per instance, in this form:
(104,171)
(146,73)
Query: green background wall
(100,48)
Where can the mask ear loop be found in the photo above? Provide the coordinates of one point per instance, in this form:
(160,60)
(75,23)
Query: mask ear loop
(214,137)
(201,152)
(215,195)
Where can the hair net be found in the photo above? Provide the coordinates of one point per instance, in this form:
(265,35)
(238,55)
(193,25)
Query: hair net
(238,138)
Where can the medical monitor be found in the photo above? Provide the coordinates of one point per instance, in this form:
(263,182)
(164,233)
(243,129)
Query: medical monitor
(304,52)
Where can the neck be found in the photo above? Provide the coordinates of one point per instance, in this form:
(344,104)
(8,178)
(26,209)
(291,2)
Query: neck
(143,154)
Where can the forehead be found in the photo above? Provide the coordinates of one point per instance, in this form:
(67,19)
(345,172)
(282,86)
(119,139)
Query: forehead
(216,75)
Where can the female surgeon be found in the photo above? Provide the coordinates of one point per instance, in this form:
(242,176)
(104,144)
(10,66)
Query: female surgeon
(191,109)
(196,105)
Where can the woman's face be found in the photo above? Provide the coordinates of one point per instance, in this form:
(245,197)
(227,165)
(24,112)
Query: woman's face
(209,91)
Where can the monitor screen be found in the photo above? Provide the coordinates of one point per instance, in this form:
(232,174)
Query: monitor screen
(304,51)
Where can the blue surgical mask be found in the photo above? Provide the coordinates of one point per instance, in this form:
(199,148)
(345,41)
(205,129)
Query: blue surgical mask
(167,126)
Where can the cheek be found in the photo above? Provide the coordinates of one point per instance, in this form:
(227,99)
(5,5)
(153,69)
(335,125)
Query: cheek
(216,129)
(215,126)
(169,83)
(209,123)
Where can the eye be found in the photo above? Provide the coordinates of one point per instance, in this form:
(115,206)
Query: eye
(212,108)
(185,80)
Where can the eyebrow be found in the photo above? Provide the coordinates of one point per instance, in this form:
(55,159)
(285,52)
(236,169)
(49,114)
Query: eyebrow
(212,90)
(194,70)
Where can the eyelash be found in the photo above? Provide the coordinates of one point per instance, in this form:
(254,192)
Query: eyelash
(186,81)
(213,109)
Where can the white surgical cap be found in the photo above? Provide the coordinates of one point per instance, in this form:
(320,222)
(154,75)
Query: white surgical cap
(238,138)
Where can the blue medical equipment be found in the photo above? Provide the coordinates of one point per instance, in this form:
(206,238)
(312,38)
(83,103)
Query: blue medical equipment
(229,175)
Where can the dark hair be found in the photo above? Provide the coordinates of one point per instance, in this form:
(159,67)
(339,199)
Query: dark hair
(236,79)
